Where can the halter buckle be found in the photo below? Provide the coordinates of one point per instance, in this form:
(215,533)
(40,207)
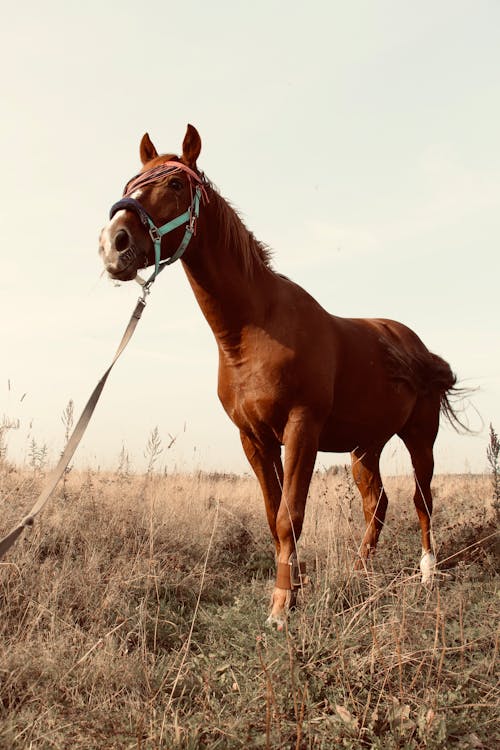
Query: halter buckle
(154,234)
(193,219)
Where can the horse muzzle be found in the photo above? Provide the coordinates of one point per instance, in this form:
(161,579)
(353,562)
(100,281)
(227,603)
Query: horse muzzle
(119,253)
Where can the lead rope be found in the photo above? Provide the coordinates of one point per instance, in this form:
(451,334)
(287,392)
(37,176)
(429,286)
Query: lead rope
(77,434)
(192,216)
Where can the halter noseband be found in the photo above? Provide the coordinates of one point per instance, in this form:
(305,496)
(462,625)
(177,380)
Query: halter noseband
(189,217)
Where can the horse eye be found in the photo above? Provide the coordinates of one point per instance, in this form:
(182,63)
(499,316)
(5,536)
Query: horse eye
(175,184)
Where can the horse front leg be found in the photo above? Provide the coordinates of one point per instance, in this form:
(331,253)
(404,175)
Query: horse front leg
(266,464)
(301,445)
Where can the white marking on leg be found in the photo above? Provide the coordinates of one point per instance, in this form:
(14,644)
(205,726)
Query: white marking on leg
(427,567)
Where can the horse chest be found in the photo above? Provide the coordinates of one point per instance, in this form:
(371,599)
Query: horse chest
(254,393)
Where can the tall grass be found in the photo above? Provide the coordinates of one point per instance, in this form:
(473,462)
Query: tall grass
(493,456)
(133,617)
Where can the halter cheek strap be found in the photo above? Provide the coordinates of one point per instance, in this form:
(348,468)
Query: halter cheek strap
(189,217)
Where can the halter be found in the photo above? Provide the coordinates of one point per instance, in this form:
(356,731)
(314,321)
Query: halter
(190,217)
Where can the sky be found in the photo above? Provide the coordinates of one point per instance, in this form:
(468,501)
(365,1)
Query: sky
(359,140)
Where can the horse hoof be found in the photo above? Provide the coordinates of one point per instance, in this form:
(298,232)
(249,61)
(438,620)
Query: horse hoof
(360,565)
(281,601)
(427,568)
(276,621)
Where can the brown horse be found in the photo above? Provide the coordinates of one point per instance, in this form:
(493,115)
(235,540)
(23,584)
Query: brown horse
(290,373)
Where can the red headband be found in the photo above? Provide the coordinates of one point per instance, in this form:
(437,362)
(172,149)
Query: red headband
(155,173)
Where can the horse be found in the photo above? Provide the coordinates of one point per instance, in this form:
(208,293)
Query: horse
(291,375)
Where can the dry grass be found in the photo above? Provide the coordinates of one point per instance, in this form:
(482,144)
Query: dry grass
(132,617)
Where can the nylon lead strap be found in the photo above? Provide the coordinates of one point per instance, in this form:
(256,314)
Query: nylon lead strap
(75,438)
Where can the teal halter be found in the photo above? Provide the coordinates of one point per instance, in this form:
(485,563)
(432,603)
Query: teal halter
(156,233)
(189,217)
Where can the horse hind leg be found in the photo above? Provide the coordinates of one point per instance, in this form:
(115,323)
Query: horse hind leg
(366,474)
(419,435)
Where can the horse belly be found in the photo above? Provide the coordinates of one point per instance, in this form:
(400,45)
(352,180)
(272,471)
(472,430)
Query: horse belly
(369,419)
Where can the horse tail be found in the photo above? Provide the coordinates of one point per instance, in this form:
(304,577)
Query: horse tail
(442,379)
(427,373)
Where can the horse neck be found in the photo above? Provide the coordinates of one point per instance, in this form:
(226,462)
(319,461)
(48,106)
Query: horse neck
(228,271)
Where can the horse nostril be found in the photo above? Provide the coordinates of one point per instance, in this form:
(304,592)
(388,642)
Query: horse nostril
(121,240)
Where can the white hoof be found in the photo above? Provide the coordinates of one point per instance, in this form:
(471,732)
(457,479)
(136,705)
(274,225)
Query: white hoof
(427,567)
(276,621)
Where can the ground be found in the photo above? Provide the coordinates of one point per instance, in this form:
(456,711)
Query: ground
(133,617)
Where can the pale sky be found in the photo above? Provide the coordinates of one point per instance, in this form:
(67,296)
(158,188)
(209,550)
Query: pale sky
(360,140)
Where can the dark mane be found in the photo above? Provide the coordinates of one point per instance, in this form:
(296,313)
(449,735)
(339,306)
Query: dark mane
(235,234)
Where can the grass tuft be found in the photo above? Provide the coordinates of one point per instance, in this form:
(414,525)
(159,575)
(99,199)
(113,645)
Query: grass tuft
(133,617)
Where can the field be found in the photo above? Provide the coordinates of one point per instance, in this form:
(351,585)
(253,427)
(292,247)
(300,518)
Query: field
(133,617)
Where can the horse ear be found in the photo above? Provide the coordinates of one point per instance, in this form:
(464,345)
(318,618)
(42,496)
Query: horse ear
(191,146)
(147,150)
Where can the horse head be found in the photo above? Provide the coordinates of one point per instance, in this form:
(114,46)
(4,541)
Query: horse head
(154,221)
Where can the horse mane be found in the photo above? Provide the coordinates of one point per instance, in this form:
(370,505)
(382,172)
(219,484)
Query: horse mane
(234,234)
